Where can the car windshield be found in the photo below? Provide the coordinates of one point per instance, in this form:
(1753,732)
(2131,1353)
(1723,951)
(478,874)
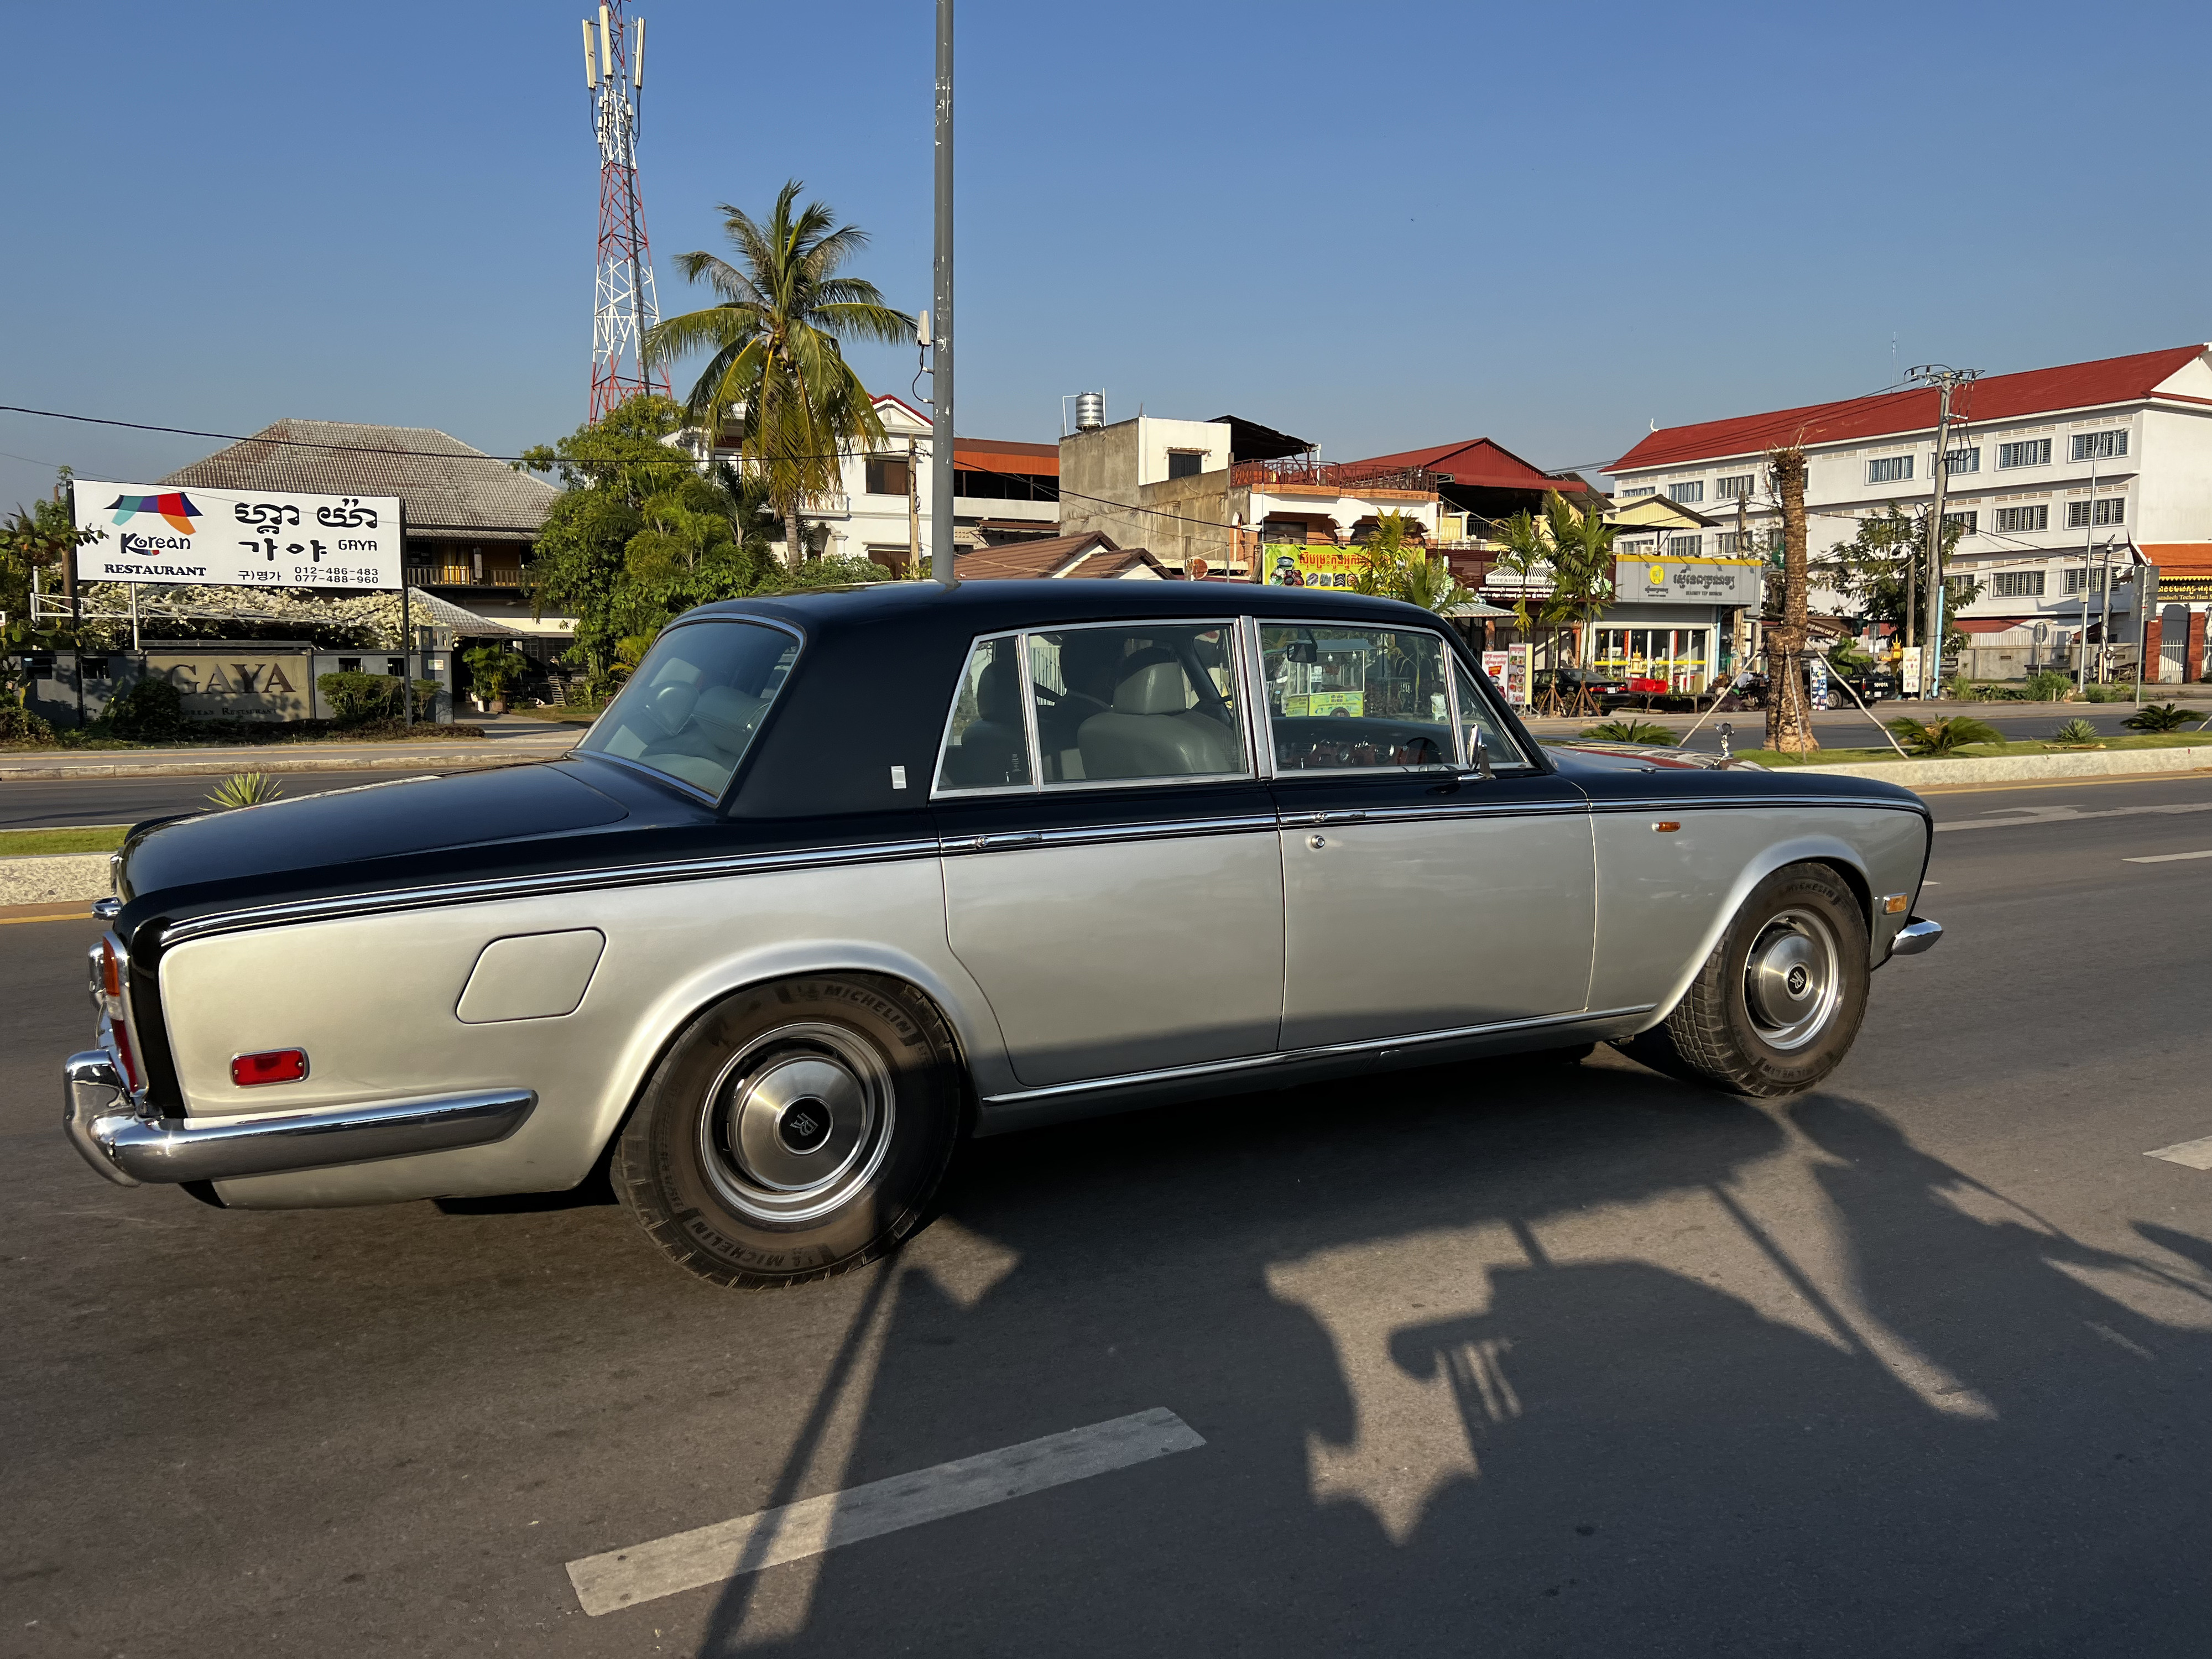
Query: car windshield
(690,710)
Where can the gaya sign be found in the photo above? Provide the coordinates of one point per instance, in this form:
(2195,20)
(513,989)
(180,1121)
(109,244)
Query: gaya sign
(239,682)
(225,538)
(1659,581)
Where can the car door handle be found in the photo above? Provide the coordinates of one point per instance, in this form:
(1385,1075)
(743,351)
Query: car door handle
(993,843)
(1340,817)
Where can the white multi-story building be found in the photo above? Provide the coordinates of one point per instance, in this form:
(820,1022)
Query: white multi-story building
(1003,491)
(2065,481)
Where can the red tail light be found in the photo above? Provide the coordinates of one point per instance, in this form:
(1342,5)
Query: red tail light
(276,1066)
(123,1052)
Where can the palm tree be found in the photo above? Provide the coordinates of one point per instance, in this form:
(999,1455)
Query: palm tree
(775,348)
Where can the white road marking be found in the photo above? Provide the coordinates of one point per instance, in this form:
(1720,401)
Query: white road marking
(2020,815)
(708,1555)
(2165,858)
(2192,1154)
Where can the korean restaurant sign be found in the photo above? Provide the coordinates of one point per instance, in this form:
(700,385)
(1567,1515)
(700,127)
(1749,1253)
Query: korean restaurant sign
(1661,581)
(225,538)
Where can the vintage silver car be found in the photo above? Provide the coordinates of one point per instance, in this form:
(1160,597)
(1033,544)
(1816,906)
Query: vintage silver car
(841,880)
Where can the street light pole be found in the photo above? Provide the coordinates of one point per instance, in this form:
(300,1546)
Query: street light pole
(940,380)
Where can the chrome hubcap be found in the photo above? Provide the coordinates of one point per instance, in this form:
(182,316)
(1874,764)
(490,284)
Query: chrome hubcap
(798,1123)
(1791,979)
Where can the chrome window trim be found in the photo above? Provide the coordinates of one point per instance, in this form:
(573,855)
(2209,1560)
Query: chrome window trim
(1293,1056)
(1451,708)
(716,798)
(1258,731)
(1520,762)
(937,791)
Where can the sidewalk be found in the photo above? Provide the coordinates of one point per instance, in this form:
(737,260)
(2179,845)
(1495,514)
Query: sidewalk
(504,742)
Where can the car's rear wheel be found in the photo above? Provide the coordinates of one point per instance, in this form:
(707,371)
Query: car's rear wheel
(1775,1007)
(795,1130)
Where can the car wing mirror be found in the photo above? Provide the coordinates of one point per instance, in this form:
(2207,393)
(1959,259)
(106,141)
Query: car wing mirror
(1481,757)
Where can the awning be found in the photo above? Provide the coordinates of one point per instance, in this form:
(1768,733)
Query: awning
(1478,608)
(428,611)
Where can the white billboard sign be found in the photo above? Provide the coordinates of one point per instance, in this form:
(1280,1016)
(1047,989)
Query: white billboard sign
(1657,579)
(227,539)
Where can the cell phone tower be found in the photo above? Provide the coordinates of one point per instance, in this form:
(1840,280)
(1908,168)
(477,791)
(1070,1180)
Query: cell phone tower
(623,306)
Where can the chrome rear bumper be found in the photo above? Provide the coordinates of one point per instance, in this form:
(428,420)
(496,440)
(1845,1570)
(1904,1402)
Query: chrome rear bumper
(130,1148)
(1915,936)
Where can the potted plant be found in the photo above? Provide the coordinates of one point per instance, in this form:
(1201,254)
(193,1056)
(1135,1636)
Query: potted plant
(494,671)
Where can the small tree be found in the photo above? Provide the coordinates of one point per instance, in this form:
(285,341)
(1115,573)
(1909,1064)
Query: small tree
(494,670)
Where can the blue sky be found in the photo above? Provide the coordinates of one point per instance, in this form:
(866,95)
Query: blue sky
(1375,225)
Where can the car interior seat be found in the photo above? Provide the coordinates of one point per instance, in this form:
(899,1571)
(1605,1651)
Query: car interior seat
(995,748)
(1152,731)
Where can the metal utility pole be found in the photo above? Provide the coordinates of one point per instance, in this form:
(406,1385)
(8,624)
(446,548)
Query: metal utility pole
(623,304)
(940,323)
(1946,379)
(913,510)
(2088,546)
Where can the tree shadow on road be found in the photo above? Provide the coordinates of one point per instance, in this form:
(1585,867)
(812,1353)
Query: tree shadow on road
(1873,1429)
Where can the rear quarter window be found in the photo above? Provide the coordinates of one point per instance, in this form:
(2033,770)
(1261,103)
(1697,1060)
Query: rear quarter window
(696,703)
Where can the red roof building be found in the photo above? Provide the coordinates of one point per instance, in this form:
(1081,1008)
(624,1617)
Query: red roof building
(2064,482)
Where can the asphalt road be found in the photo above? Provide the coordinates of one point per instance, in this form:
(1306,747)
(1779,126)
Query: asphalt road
(1495,1359)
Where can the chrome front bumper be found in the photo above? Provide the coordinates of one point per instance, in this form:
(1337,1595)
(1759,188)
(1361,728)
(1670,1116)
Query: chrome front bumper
(1915,936)
(130,1146)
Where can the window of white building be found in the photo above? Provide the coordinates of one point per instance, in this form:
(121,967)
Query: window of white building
(2076,578)
(2100,446)
(1683,547)
(2080,515)
(2016,585)
(2028,452)
(1688,490)
(1964,460)
(1889,469)
(1964,523)
(2015,520)
(1736,487)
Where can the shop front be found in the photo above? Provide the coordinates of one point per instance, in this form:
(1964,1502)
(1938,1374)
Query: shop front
(1672,620)
(1685,654)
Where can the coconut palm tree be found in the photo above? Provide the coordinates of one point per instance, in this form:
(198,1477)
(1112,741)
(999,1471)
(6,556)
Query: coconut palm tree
(774,347)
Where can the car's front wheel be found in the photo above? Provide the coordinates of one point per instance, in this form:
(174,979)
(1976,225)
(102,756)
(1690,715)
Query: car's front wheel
(1775,1007)
(795,1130)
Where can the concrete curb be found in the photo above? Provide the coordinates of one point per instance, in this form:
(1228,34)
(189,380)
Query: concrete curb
(2007,768)
(417,761)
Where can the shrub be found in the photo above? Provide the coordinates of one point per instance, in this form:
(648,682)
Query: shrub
(2161,717)
(494,671)
(2048,686)
(18,725)
(1631,732)
(2076,731)
(1935,739)
(244,789)
(149,711)
(355,698)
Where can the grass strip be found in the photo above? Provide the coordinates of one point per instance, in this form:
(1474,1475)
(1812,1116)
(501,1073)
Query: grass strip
(1978,750)
(35,843)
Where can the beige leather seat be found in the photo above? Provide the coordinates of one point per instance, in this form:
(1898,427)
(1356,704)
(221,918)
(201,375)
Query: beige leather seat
(1153,731)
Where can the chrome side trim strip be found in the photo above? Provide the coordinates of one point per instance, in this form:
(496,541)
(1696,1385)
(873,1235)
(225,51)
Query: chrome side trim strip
(133,1149)
(1466,809)
(1713,803)
(1096,835)
(563,881)
(1293,1056)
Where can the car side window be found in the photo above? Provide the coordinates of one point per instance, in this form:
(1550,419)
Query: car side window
(1350,698)
(690,710)
(986,744)
(1477,720)
(1136,701)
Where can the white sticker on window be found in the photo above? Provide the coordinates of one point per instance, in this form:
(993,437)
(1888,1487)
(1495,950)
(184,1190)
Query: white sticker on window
(898,777)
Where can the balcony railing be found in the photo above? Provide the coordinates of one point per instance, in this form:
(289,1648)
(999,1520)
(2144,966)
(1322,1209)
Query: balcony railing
(463,575)
(1348,477)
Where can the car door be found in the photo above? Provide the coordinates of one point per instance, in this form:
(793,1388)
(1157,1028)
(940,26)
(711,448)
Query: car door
(1111,876)
(1419,895)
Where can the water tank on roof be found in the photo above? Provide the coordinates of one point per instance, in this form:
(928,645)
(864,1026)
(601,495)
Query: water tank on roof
(1089,410)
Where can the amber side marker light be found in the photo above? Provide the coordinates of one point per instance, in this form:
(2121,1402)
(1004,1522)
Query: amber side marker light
(277,1065)
(1894,905)
(1668,826)
(111,970)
